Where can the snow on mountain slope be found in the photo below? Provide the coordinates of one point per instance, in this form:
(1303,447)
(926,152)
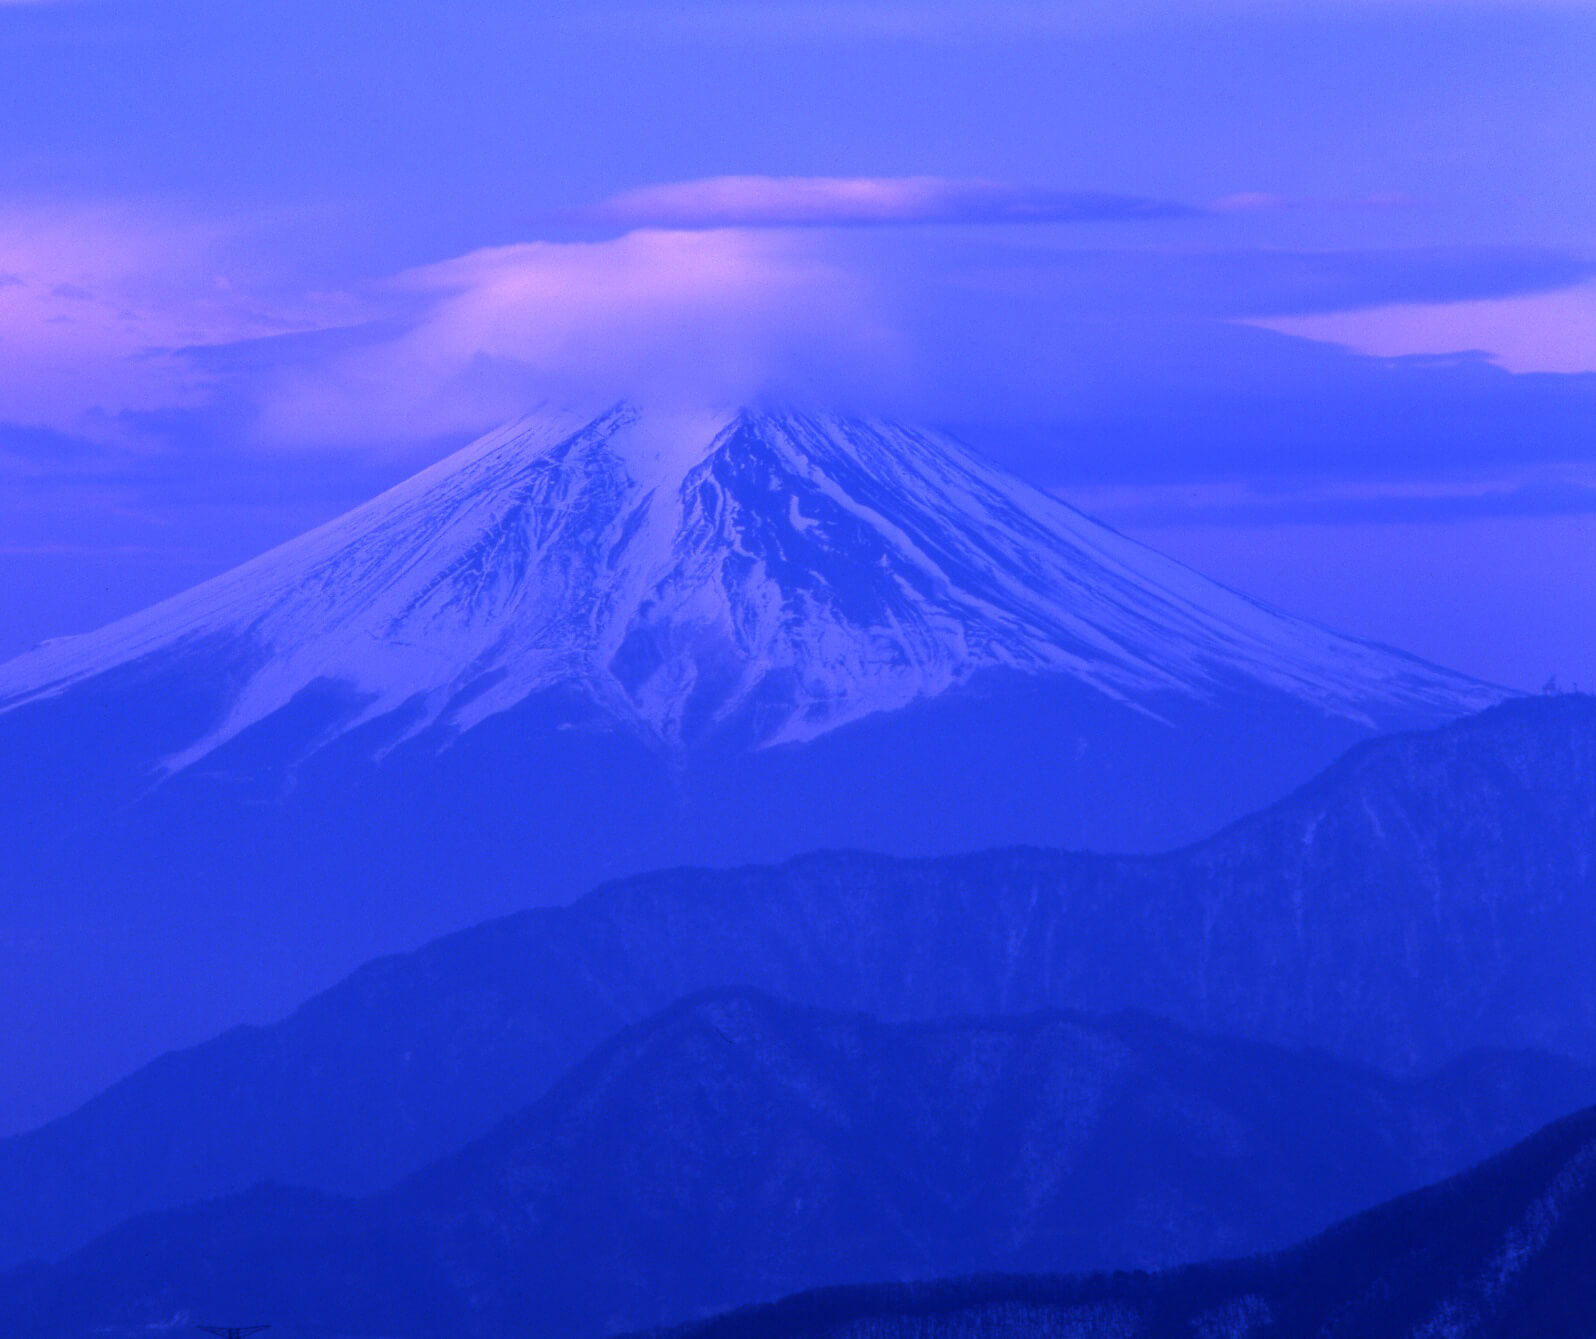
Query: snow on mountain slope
(683,570)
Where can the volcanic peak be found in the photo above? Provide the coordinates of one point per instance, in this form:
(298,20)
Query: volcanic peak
(685,572)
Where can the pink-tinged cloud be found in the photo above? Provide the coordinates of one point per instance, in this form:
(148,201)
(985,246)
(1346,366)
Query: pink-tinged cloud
(809,202)
(1256,202)
(683,318)
(97,304)
(1537,332)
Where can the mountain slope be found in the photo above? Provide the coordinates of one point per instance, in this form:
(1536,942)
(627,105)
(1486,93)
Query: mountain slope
(1502,1251)
(735,1148)
(1445,877)
(683,571)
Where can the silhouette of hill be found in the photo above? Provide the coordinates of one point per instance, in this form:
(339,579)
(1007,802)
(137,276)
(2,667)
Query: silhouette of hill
(1430,894)
(734,1148)
(1502,1251)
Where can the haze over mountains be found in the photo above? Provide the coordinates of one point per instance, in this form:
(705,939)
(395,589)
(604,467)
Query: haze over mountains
(582,649)
(734,1148)
(1429,895)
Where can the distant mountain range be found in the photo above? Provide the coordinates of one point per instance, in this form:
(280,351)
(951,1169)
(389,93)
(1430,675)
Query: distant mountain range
(1429,895)
(580,649)
(734,1148)
(1502,1251)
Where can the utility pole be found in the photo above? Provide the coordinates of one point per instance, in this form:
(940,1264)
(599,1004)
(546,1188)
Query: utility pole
(232,1331)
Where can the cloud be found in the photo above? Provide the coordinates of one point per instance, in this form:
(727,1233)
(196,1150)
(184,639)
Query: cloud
(1255,283)
(1537,332)
(967,21)
(787,202)
(99,304)
(690,317)
(1388,502)
(1258,202)
(1077,365)
(1149,364)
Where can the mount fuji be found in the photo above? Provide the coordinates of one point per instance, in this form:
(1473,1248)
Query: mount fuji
(580,648)
(778,576)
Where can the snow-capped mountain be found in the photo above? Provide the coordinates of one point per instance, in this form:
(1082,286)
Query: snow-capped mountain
(790,572)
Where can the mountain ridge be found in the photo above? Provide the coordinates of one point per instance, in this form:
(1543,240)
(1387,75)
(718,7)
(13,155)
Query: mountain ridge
(1500,1251)
(743,1145)
(1495,816)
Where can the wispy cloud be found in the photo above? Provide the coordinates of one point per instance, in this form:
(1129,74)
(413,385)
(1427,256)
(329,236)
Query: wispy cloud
(1148,360)
(98,304)
(786,202)
(1385,502)
(1536,332)
(1258,202)
(1264,283)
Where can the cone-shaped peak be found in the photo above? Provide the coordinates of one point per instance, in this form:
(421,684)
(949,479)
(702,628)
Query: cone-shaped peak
(789,571)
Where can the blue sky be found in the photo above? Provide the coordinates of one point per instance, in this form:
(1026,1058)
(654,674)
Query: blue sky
(1304,293)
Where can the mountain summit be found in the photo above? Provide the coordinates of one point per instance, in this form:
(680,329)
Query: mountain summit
(779,574)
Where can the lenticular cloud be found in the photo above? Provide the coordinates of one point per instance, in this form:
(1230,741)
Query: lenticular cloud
(688,318)
(785,202)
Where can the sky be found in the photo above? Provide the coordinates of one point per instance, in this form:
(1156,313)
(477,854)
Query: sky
(1303,293)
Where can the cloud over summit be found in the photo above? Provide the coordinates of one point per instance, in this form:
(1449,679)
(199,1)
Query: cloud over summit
(805,202)
(685,317)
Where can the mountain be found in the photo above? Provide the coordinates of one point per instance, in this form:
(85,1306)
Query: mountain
(1502,1251)
(1430,894)
(780,575)
(735,1148)
(578,650)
